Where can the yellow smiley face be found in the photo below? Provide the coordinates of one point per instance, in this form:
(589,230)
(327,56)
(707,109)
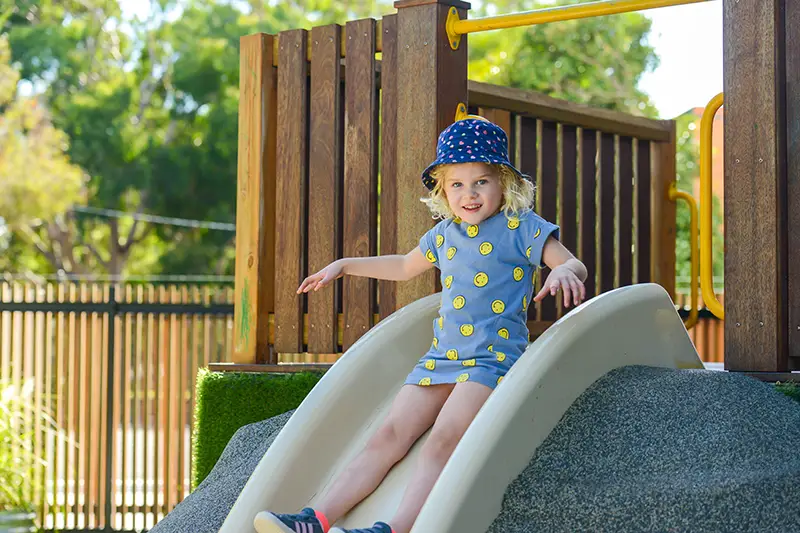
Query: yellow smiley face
(491,347)
(524,303)
(441,322)
(519,273)
(458,302)
(528,252)
(500,357)
(498,306)
(436,343)
(439,240)
(513,223)
(430,364)
(538,232)
(481,279)
(462,378)
(467,330)
(457,220)
(452,354)
(448,281)
(425,382)
(472,231)
(485,248)
(468,362)
(503,332)
(451,252)
(429,255)
(499,380)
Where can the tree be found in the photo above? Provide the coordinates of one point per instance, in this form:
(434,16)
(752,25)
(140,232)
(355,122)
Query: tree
(38,181)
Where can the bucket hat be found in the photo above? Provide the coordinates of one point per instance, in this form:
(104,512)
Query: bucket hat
(470,140)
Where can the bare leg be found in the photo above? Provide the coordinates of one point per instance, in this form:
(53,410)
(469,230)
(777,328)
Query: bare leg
(413,411)
(451,424)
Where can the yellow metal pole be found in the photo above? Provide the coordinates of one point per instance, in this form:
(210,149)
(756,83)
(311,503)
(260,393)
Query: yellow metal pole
(674,195)
(706,266)
(457,27)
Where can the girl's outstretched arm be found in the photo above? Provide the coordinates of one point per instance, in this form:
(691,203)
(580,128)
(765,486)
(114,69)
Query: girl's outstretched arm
(388,267)
(566,273)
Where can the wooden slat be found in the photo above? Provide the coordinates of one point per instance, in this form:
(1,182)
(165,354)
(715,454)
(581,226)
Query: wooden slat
(6,321)
(606,213)
(150,411)
(387,296)
(663,229)
(173,429)
(360,175)
(547,199)
(28,364)
(755,311)
(98,405)
(792,49)
(84,419)
(528,165)
(71,507)
(588,208)
(568,189)
(545,107)
(624,231)
(291,189)
(41,371)
(324,180)
(126,391)
(643,188)
(432,80)
(255,196)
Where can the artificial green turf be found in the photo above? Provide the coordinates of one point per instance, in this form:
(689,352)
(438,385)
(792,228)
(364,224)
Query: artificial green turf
(227,401)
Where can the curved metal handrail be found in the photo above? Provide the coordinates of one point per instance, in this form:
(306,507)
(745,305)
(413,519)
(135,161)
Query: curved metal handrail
(706,244)
(675,195)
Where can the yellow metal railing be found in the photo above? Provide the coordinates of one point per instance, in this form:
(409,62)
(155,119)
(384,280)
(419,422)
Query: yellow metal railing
(675,195)
(706,266)
(457,27)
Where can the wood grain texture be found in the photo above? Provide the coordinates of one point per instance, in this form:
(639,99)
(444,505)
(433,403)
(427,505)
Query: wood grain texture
(360,175)
(588,208)
(568,190)
(291,178)
(528,164)
(663,229)
(387,290)
(624,233)
(643,187)
(254,234)
(792,33)
(548,203)
(431,80)
(755,251)
(324,182)
(416,3)
(606,212)
(548,108)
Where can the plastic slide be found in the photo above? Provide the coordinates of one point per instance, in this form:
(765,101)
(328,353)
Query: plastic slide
(635,325)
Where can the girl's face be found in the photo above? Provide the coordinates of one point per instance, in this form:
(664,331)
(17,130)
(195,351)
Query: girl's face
(473,191)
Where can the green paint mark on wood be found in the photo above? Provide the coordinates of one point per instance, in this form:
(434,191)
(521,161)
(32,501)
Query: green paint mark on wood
(244,315)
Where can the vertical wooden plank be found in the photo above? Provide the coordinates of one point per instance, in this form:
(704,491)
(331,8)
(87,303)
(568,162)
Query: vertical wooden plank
(97,406)
(588,208)
(792,36)
(624,231)
(360,174)
(83,412)
(184,404)
(291,184)
(173,421)
(324,181)
(52,384)
(663,229)
(41,370)
(387,290)
(644,184)
(606,214)
(73,351)
(529,165)
(547,199)
(432,80)
(28,374)
(127,391)
(568,189)
(255,210)
(755,181)
(150,412)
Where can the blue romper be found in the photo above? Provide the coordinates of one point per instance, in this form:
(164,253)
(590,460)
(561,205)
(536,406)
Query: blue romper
(488,274)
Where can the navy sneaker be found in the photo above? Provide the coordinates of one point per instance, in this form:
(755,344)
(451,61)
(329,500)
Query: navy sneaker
(308,521)
(379,527)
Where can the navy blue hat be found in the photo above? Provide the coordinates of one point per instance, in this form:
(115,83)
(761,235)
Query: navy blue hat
(470,140)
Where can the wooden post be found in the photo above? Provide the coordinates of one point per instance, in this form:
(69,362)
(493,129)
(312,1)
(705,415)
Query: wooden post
(792,29)
(663,228)
(756,247)
(255,201)
(431,81)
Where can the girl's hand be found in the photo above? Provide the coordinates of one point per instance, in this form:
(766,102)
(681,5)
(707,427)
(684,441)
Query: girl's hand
(322,278)
(564,278)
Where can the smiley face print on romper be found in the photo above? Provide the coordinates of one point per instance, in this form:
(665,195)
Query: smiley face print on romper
(459,302)
(467,329)
(448,281)
(439,241)
(452,354)
(498,307)
(472,231)
(519,273)
(430,364)
(485,248)
(451,252)
(481,279)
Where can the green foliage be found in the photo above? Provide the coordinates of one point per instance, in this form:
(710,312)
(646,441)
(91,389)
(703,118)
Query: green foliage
(227,401)
(790,389)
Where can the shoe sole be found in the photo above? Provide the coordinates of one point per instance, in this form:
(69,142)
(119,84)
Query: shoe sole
(267,523)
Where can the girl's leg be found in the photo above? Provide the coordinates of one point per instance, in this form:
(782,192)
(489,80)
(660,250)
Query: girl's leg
(451,424)
(413,411)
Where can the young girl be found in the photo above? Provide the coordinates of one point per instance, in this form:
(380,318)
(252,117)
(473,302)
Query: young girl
(488,247)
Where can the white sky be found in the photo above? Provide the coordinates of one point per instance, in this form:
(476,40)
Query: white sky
(688,41)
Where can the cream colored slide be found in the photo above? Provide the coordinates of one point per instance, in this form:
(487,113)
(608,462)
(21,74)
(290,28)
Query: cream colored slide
(634,325)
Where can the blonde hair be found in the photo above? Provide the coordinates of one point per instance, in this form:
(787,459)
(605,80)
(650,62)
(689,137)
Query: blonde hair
(518,193)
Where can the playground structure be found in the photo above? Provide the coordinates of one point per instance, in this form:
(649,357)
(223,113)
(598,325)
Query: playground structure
(331,138)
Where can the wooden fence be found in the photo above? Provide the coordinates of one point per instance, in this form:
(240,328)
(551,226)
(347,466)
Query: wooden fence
(115,367)
(331,145)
